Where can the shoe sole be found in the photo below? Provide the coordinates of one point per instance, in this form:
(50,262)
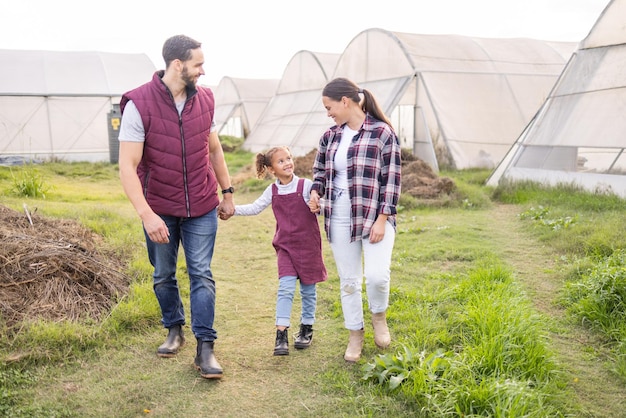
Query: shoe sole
(166,355)
(302,346)
(209,375)
(171,354)
(281,353)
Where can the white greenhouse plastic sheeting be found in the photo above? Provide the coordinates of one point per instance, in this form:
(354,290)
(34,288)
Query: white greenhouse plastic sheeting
(454,100)
(286,118)
(240,102)
(56,104)
(579,135)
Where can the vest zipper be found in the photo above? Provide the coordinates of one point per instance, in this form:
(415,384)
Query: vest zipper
(184,157)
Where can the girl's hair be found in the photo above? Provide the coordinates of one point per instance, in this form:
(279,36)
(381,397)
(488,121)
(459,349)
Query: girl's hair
(340,87)
(264,160)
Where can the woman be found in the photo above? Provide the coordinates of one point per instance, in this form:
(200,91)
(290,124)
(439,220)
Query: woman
(357,171)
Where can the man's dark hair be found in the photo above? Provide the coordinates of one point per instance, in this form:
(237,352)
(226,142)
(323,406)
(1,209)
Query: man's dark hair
(178,47)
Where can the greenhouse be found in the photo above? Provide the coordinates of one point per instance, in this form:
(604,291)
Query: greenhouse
(455,101)
(64,104)
(239,102)
(287,118)
(578,136)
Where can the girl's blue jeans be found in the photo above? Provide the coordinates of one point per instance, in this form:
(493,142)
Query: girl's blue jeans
(284,301)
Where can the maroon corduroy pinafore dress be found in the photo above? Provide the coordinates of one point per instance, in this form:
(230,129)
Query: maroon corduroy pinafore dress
(297,240)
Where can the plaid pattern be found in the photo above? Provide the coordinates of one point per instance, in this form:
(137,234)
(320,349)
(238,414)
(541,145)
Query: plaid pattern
(373,174)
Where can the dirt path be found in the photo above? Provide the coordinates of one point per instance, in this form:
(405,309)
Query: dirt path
(538,269)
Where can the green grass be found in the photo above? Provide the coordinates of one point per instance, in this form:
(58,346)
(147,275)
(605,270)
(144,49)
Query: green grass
(486,359)
(597,296)
(467,339)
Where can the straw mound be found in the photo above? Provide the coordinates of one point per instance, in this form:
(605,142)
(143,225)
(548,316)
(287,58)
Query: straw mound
(418,179)
(54,269)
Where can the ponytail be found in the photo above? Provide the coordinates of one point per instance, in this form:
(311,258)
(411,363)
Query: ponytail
(343,87)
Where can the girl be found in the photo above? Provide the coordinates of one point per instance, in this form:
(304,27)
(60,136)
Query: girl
(297,241)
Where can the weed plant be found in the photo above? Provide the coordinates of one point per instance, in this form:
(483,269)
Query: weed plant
(29,182)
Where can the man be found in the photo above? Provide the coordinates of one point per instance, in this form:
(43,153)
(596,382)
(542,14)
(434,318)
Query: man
(171,162)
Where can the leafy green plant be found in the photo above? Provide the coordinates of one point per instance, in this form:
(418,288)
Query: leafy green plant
(10,380)
(28,182)
(390,370)
(539,215)
(13,399)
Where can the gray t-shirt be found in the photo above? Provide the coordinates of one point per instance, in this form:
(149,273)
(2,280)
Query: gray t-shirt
(131,127)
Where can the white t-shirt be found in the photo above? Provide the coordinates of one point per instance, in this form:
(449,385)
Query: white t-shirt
(341,158)
(131,127)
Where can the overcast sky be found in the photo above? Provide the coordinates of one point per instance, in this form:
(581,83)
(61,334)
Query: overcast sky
(256,38)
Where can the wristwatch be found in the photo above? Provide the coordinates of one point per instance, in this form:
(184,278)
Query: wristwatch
(231,189)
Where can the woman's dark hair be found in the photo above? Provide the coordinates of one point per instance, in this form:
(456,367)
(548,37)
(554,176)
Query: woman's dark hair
(342,87)
(179,47)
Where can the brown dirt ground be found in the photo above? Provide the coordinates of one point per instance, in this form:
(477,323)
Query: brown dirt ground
(57,269)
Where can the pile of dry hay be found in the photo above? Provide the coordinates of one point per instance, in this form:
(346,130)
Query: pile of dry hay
(54,269)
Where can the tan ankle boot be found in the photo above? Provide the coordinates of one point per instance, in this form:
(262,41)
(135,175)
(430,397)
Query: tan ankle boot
(381,332)
(355,345)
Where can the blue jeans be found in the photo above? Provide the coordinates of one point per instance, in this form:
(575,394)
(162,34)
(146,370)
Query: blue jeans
(284,301)
(197,236)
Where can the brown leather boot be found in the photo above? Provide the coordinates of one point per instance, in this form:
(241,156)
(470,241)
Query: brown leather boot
(174,341)
(381,332)
(355,345)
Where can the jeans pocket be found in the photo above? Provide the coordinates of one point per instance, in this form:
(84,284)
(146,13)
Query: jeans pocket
(336,194)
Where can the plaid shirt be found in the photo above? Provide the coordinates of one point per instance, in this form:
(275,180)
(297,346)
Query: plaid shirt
(373,174)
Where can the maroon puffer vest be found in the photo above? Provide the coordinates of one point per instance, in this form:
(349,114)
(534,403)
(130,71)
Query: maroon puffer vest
(175,169)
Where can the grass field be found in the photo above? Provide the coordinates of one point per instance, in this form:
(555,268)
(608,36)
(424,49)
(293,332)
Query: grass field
(505,302)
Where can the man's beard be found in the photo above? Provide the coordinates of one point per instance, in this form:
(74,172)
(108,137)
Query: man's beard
(189,81)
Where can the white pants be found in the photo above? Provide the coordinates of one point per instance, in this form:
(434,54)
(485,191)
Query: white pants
(354,260)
